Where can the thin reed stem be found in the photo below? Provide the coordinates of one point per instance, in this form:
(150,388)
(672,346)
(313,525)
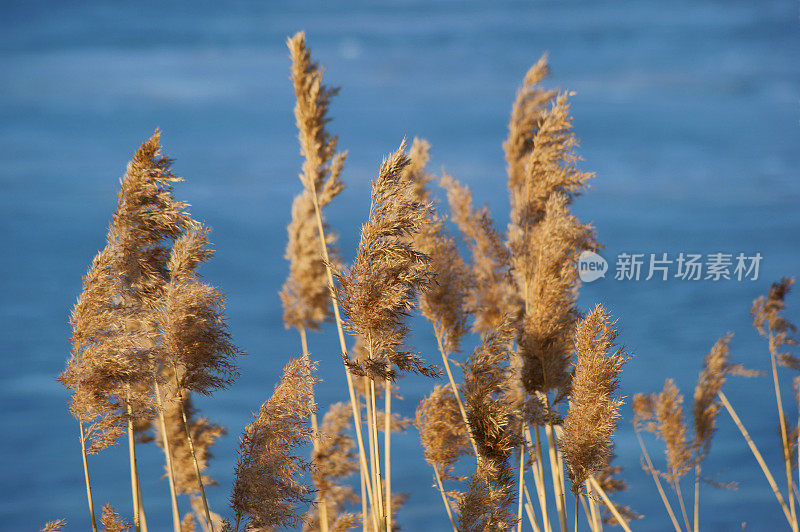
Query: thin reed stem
(697,497)
(595,522)
(86,476)
(387,438)
(539,476)
(343,346)
(677,487)
(661,492)
(758,457)
(321,502)
(373,452)
(176,516)
(529,510)
(521,486)
(141,508)
(444,498)
(134,474)
(611,506)
(373,425)
(363,504)
(461,408)
(558,485)
(575,515)
(787,458)
(191,450)
(587,512)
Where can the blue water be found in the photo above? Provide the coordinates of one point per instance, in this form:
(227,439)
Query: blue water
(687,112)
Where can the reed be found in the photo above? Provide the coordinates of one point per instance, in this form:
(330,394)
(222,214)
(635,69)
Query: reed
(148,334)
(317,148)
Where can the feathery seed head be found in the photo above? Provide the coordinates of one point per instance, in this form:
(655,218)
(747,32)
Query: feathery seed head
(593,403)
(388,274)
(442,432)
(268,485)
(491,297)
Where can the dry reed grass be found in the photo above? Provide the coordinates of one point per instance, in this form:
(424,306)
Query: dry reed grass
(147,333)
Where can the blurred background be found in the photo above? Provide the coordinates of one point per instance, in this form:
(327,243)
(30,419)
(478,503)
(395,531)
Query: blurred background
(687,112)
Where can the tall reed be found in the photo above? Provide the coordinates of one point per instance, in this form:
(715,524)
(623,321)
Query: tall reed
(148,333)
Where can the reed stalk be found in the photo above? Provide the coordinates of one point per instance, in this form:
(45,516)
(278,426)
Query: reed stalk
(86,476)
(587,512)
(652,471)
(373,454)
(697,498)
(371,493)
(363,504)
(134,474)
(593,513)
(538,477)
(444,498)
(141,509)
(521,486)
(575,514)
(191,450)
(176,517)
(373,426)
(758,457)
(558,485)
(611,506)
(321,502)
(387,435)
(529,510)
(597,517)
(785,447)
(676,485)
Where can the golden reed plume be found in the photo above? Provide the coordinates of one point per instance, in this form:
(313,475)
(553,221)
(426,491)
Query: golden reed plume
(268,488)
(593,402)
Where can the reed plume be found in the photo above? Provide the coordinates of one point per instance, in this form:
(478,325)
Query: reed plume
(527,113)
(491,298)
(593,403)
(671,429)
(195,341)
(322,165)
(54,526)
(378,291)
(778,331)
(305,294)
(443,303)
(487,505)
(545,240)
(113,364)
(716,368)
(268,487)
(112,521)
(442,431)
(769,322)
(112,332)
